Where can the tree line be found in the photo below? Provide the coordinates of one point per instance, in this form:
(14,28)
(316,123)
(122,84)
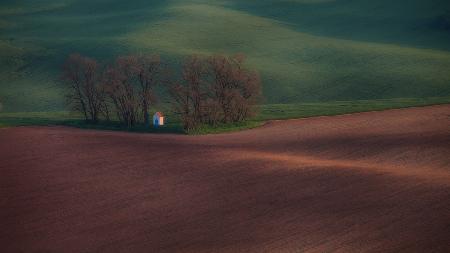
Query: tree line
(208,90)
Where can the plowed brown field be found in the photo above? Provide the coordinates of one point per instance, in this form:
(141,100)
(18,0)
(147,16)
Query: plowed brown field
(368,182)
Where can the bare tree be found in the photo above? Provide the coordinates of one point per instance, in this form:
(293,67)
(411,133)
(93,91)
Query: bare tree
(212,90)
(188,94)
(236,89)
(86,96)
(120,84)
(215,90)
(149,71)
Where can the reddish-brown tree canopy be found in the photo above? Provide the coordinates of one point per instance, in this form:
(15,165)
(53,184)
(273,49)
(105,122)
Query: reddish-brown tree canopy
(81,74)
(216,89)
(212,90)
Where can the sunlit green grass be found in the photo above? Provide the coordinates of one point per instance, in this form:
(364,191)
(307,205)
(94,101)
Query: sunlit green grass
(297,66)
(305,50)
(225,128)
(304,110)
(266,112)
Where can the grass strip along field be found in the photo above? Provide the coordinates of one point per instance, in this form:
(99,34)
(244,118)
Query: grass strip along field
(267,112)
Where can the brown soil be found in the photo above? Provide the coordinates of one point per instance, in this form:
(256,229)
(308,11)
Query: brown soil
(368,182)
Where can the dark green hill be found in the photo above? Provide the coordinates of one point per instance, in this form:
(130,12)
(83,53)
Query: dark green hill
(306,50)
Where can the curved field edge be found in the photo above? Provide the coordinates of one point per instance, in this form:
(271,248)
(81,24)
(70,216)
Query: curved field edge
(369,182)
(266,113)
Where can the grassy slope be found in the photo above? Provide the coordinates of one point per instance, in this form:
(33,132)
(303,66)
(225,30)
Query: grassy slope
(45,32)
(297,66)
(306,50)
(385,21)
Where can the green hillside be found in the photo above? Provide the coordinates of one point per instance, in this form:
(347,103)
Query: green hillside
(305,50)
